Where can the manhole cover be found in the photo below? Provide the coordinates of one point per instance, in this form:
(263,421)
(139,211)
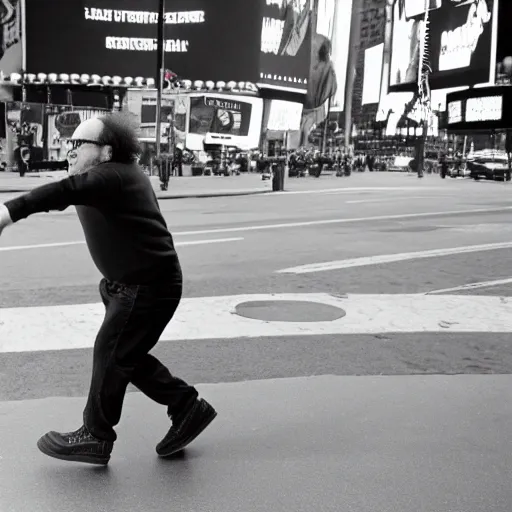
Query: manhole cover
(289,311)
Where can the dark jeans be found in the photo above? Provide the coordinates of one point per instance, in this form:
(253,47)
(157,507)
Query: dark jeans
(134,320)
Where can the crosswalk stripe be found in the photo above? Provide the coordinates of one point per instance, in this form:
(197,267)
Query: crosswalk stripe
(75,326)
(473,286)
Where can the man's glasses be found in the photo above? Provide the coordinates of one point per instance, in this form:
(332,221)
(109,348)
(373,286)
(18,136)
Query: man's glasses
(74,144)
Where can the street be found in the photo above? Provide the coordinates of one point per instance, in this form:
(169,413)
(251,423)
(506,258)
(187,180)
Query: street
(354,336)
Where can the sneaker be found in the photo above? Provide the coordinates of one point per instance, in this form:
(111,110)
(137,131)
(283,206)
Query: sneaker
(185,429)
(77,446)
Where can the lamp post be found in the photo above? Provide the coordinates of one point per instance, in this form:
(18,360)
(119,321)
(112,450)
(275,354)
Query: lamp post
(160,73)
(355,29)
(424,90)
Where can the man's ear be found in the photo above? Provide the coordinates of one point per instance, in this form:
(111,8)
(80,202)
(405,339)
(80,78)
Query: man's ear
(106,154)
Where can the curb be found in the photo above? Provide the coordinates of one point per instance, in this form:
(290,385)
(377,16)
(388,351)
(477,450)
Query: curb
(178,196)
(213,194)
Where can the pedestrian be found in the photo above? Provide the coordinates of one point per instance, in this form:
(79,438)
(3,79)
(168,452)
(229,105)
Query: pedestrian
(131,246)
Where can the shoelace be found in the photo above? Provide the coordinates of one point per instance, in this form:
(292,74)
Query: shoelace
(80,435)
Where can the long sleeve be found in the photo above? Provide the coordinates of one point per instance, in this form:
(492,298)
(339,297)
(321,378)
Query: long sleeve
(97,187)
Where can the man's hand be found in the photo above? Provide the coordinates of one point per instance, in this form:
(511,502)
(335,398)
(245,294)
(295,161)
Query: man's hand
(5,217)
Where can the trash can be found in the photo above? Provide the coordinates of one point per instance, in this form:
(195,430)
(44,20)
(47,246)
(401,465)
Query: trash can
(278,171)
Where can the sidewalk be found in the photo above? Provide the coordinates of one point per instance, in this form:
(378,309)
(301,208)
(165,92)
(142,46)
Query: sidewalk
(201,186)
(218,186)
(328,443)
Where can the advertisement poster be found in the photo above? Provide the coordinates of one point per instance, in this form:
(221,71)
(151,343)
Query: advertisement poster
(142,105)
(460,44)
(339,57)
(204,40)
(323,79)
(62,122)
(482,108)
(504,42)
(284,116)
(10,41)
(372,74)
(285,43)
(231,120)
(25,127)
(219,115)
(26,119)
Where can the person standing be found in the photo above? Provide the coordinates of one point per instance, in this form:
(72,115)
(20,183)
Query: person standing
(130,244)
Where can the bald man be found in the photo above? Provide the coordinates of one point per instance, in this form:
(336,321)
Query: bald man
(132,248)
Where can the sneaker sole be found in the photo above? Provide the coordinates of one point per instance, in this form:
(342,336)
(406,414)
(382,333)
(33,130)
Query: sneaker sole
(178,447)
(88,459)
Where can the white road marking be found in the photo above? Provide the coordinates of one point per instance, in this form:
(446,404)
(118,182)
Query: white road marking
(75,327)
(39,246)
(203,242)
(63,244)
(386,199)
(349,189)
(391,258)
(340,221)
(473,286)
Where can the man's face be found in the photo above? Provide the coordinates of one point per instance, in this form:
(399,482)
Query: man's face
(84,150)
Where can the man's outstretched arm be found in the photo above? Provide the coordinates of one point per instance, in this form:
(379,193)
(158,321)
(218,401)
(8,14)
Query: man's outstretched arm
(92,188)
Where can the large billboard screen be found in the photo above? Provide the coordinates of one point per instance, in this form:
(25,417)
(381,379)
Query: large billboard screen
(325,69)
(210,114)
(224,119)
(11,60)
(340,46)
(483,108)
(285,44)
(460,43)
(205,39)
(142,105)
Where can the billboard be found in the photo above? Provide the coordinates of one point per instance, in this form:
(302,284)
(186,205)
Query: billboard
(36,125)
(504,42)
(461,43)
(142,105)
(372,74)
(285,44)
(284,115)
(224,119)
(205,40)
(210,114)
(329,62)
(340,45)
(11,60)
(482,108)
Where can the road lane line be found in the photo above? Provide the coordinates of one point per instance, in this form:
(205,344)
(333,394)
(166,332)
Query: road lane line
(39,246)
(64,244)
(340,221)
(387,199)
(76,326)
(350,189)
(473,286)
(203,242)
(391,258)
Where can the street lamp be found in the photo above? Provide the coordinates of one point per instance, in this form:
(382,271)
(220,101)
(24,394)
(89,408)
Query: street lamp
(424,89)
(160,73)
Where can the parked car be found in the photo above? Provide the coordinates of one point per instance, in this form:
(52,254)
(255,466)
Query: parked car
(489,165)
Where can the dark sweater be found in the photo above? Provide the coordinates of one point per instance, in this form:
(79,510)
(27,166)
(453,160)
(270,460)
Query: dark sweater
(124,229)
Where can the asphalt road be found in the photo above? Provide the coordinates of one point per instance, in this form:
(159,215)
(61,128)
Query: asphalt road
(261,235)
(404,408)
(345,223)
